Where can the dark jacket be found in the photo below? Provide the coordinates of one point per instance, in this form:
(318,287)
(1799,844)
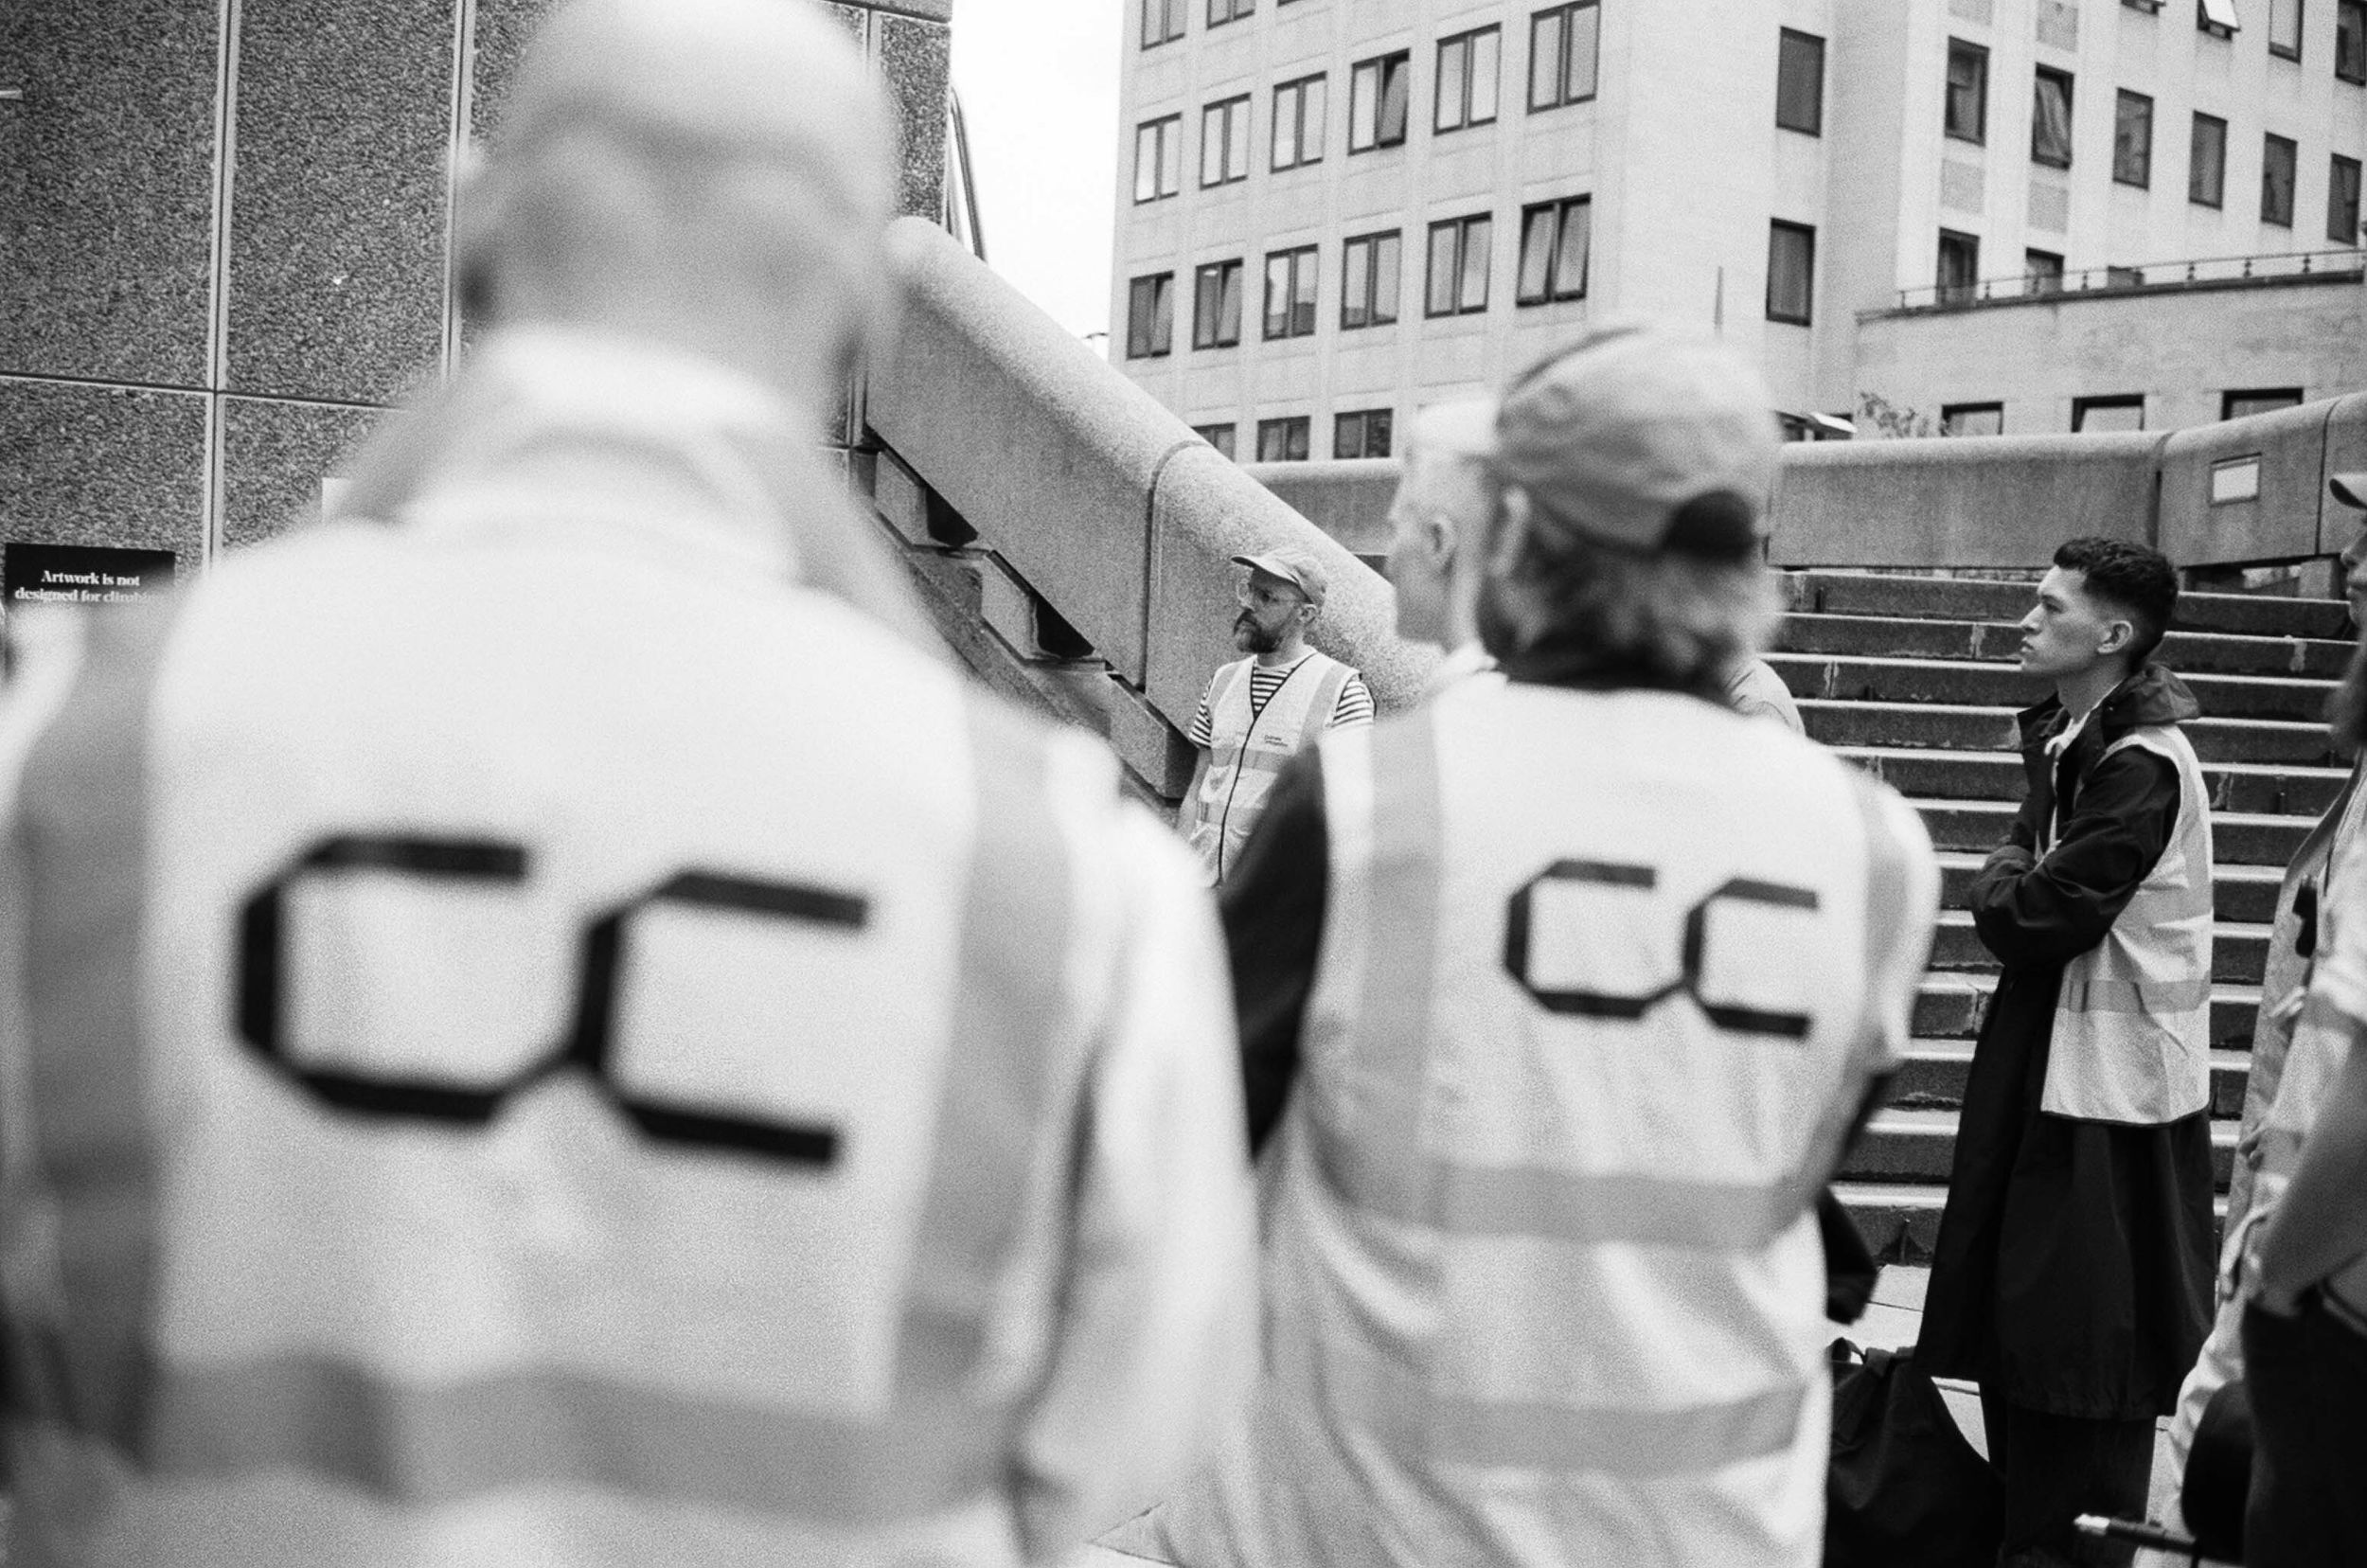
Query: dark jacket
(2073,1271)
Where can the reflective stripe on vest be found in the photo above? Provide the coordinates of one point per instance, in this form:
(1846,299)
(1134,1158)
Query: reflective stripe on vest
(1248,749)
(87,1365)
(2131,1034)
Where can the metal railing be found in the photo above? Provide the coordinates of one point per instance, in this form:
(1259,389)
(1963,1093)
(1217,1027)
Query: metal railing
(2090,282)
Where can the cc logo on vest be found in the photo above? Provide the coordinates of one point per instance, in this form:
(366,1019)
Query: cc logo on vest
(1520,919)
(603,951)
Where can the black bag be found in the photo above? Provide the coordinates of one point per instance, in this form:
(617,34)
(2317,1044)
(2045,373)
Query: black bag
(1905,1487)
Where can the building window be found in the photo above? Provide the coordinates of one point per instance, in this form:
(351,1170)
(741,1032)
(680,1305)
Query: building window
(1290,294)
(2042,272)
(1562,49)
(1377,90)
(1221,12)
(1469,65)
(1973,419)
(2216,17)
(1458,265)
(1158,158)
(2206,161)
(1217,305)
(1364,434)
(1282,440)
(1224,142)
(2342,200)
(1298,121)
(2051,118)
(2132,139)
(1968,91)
(2092,415)
(2276,179)
(1369,267)
(2284,28)
(2151,8)
(1800,82)
(1217,435)
(1959,266)
(1554,240)
(2235,406)
(1163,22)
(1150,315)
(2349,40)
(1790,271)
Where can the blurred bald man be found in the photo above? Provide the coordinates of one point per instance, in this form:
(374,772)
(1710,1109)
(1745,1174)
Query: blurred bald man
(539,1026)
(1438,521)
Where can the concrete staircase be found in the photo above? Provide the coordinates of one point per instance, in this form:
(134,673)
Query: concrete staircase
(1912,679)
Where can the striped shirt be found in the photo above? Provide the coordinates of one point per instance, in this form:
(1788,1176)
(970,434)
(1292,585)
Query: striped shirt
(1353,707)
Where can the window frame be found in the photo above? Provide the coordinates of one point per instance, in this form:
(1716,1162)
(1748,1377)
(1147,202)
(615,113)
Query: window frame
(2039,76)
(1952,412)
(1167,154)
(1961,292)
(1221,435)
(1460,264)
(2350,28)
(1466,74)
(2143,163)
(1379,66)
(1558,211)
(1789,36)
(2287,397)
(1145,338)
(2082,407)
(2336,165)
(1172,13)
(1298,261)
(2045,282)
(2299,13)
(1775,228)
(1234,10)
(1297,89)
(1978,55)
(1563,16)
(1286,425)
(2270,142)
(1207,334)
(1370,245)
(2217,201)
(1234,166)
(1364,418)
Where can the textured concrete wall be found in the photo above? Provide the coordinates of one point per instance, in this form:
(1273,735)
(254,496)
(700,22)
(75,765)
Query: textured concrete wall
(222,241)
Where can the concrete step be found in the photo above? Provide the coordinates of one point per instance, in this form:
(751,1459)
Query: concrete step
(1932,1077)
(2237,952)
(1900,1220)
(1978,727)
(1904,637)
(2237,838)
(2292,698)
(1920,1145)
(2245,894)
(1950,1003)
(2266,788)
(1889,595)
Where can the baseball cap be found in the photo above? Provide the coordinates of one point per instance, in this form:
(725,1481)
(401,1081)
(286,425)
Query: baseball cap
(1643,439)
(2349,489)
(1295,566)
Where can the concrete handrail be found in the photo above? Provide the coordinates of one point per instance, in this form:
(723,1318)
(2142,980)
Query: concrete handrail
(1105,502)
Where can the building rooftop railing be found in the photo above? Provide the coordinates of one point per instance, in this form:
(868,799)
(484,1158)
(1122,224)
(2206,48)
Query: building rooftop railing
(2221,272)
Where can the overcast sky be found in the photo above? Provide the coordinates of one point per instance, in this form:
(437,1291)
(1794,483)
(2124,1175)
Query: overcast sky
(1038,84)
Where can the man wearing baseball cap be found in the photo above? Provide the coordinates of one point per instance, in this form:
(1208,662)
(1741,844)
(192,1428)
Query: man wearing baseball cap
(1260,711)
(1589,979)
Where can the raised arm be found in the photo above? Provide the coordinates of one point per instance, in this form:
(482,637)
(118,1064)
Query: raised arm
(2049,911)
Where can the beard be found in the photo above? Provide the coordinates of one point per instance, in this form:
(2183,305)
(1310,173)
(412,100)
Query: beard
(1250,637)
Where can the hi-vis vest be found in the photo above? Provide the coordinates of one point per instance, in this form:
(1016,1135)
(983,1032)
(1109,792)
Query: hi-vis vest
(482,1090)
(1602,982)
(1248,750)
(2131,1038)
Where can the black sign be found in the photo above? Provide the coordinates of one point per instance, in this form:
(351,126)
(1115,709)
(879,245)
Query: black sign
(80,574)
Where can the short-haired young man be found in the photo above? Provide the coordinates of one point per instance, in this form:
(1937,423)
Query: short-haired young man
(2073,1272)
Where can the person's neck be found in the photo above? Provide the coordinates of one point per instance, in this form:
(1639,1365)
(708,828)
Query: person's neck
(1287,651)
(2081,691)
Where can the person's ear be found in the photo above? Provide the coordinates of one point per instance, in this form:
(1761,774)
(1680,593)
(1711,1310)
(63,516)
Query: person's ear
(2117,635)
(1439,538)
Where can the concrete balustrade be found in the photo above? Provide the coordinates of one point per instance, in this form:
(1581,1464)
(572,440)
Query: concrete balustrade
(1105,503)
